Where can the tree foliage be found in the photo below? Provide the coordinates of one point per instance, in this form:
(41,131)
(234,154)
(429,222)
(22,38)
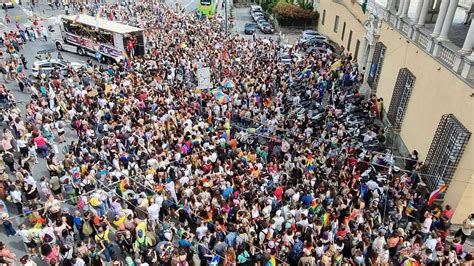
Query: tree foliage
(289,11)
(305,4)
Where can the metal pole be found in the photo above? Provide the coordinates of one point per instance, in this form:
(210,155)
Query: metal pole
(225,15)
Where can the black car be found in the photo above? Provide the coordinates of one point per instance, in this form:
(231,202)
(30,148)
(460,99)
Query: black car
(266,27)
(314,42)
(250,28)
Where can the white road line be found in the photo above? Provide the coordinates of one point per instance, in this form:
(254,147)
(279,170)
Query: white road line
(186,6)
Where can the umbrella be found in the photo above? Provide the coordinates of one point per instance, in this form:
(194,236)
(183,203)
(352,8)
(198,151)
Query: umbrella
(229,84)
(221,97)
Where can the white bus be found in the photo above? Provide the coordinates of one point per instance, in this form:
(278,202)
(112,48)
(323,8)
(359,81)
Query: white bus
(107,41)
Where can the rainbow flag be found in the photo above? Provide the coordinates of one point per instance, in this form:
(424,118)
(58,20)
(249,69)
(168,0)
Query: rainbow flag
(336,65)
(325,219)
(122,185)
(306,72)
(434,195)
(313,207)
(271,261)
(227,127)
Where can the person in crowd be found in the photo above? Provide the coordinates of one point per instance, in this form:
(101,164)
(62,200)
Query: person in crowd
(232,175)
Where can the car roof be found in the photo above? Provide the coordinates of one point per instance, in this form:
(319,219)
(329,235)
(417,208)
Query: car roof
(318,37)
(40,62)
(310,32)
(250,24)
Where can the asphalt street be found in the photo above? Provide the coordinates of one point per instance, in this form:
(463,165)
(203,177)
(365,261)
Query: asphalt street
(21,14)
(15,244)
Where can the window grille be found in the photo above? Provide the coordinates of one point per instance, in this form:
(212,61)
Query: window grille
(447,147)
(376,66)
(400,96)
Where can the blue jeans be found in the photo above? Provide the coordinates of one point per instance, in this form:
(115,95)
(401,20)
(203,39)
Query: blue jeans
(108,252)
(10,231)
(101,210)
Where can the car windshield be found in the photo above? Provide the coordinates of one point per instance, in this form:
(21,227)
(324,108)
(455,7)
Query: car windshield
(250,25)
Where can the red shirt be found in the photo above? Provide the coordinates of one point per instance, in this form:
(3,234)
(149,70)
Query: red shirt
(279,193)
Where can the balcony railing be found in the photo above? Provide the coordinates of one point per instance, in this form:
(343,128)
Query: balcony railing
(448,56)
(444,52)
(422,39)
(393,19)
(405,27)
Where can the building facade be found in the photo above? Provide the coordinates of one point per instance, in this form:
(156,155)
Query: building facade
(422,65)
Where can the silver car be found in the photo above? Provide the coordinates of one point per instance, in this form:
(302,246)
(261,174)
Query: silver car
(46,66)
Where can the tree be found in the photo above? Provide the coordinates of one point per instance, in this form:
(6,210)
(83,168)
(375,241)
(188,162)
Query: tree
(288,11)
(305,4)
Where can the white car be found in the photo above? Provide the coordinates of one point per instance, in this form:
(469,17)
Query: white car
(46,66)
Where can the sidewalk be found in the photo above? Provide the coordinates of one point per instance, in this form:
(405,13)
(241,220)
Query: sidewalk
(468,245)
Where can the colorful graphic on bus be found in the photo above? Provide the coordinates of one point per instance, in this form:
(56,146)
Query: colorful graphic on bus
(207,7)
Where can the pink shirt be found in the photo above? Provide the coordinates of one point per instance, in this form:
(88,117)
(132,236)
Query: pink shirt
(6,144)
(52,255)
(40,141)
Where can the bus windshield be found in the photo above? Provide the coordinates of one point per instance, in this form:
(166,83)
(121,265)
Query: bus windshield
(206,2)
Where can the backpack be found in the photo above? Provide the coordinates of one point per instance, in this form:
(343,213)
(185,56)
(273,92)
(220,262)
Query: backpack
(86,228)
(296,251)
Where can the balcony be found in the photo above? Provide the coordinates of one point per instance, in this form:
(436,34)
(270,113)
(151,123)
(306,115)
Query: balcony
(448,53)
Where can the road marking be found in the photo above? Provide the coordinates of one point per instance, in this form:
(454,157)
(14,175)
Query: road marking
(186,6)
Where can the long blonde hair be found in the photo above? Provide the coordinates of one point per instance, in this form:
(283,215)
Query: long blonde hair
(231,256)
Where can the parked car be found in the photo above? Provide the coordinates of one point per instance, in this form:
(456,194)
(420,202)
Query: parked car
(307,35)
(46,66)
(310,33)
(314,49)
(266,27)
(256,13)
(255,8)
(250,28)
(285,58)
(258,16)
(315,41)
(7,4)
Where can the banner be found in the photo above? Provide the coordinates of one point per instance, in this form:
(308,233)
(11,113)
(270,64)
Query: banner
(80,41)
(204,78)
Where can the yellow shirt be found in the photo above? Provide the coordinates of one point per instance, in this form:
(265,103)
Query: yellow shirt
(103,236)
(119,222)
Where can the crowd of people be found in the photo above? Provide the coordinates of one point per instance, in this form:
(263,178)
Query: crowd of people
(163,172)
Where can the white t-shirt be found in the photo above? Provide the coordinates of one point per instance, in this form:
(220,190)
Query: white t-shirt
(79,262)
(467,226)
(154,211)
(24,235)
(425,228)
(201,231)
